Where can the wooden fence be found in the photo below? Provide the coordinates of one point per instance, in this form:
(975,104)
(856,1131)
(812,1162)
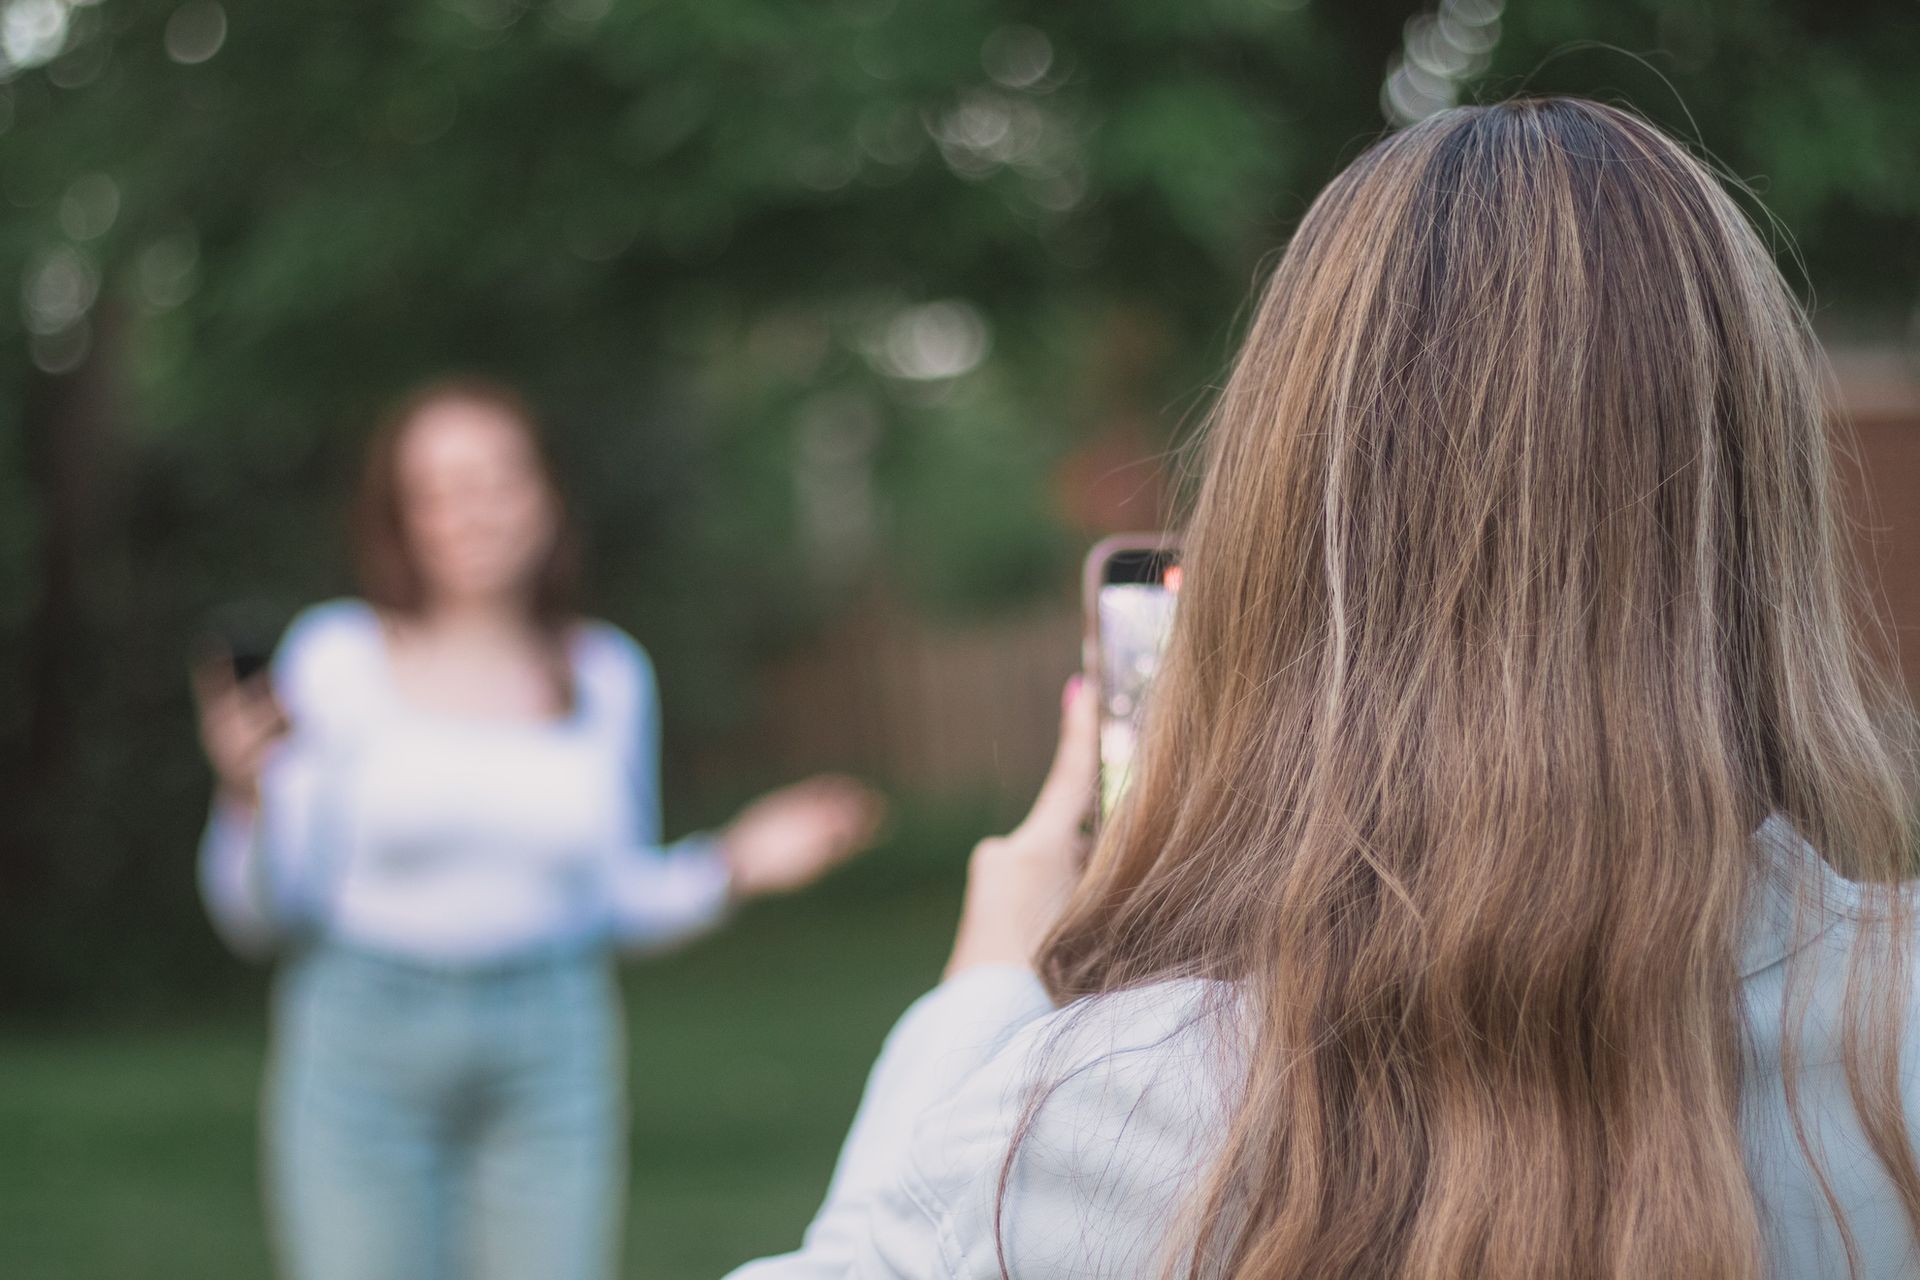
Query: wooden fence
(937,708)
(1880,398)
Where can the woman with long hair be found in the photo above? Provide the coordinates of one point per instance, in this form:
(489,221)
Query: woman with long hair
(1513,881)
(443,815)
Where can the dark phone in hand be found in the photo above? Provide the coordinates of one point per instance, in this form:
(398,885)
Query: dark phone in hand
(244,639)
(248,661)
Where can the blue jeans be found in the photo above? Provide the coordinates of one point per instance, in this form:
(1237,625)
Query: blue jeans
(446,1125)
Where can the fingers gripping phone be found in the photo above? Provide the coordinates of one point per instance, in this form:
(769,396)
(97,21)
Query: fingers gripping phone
(242,638)
(1131,583)
(247,657)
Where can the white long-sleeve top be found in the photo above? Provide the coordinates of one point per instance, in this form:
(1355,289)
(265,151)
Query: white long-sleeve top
(455,839)
(1134,1088)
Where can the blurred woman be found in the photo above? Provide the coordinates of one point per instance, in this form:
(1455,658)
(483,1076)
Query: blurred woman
(443,815)
(1514,881)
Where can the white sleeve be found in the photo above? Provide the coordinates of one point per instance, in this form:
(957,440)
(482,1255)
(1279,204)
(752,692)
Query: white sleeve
(231,881)
(863,1230)
(1102,1118)
(657,895)
(259,871)
(262,874)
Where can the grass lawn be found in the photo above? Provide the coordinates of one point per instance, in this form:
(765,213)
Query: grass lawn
(130,1155)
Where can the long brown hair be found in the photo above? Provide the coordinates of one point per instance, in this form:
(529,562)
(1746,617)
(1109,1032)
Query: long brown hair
(1514,603)
(384,563)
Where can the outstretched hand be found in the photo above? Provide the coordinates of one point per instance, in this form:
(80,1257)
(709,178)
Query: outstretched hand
(1017,883)
(789,838)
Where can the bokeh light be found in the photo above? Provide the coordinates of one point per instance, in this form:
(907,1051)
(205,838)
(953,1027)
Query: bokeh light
(1439,52)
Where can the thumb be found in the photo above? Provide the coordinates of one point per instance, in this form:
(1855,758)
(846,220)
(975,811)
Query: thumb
(1067,794)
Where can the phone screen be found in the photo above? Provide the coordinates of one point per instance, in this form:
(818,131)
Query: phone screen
(1133,604)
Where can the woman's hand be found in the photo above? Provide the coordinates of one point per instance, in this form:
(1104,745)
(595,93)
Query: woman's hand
(240,721)
(789,838)
(1017,883)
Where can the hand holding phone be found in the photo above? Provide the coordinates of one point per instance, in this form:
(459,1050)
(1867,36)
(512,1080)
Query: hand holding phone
(1017,883)
(240,718)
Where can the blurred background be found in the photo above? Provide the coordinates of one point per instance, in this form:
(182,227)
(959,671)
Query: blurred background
(855,321)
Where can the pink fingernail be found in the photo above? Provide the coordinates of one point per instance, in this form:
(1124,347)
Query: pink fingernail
(1070,691)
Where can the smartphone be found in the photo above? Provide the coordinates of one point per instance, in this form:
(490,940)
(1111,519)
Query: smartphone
(243,637)
(1131,583)
(248,658)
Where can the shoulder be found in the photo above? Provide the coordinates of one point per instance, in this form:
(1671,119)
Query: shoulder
(329,627)
(612,667)
(330,654)
(1102,1117)
(1128,1039)
(1853,966)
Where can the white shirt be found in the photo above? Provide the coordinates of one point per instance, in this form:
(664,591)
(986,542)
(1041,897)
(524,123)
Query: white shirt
(1139,1083)
(455,839)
